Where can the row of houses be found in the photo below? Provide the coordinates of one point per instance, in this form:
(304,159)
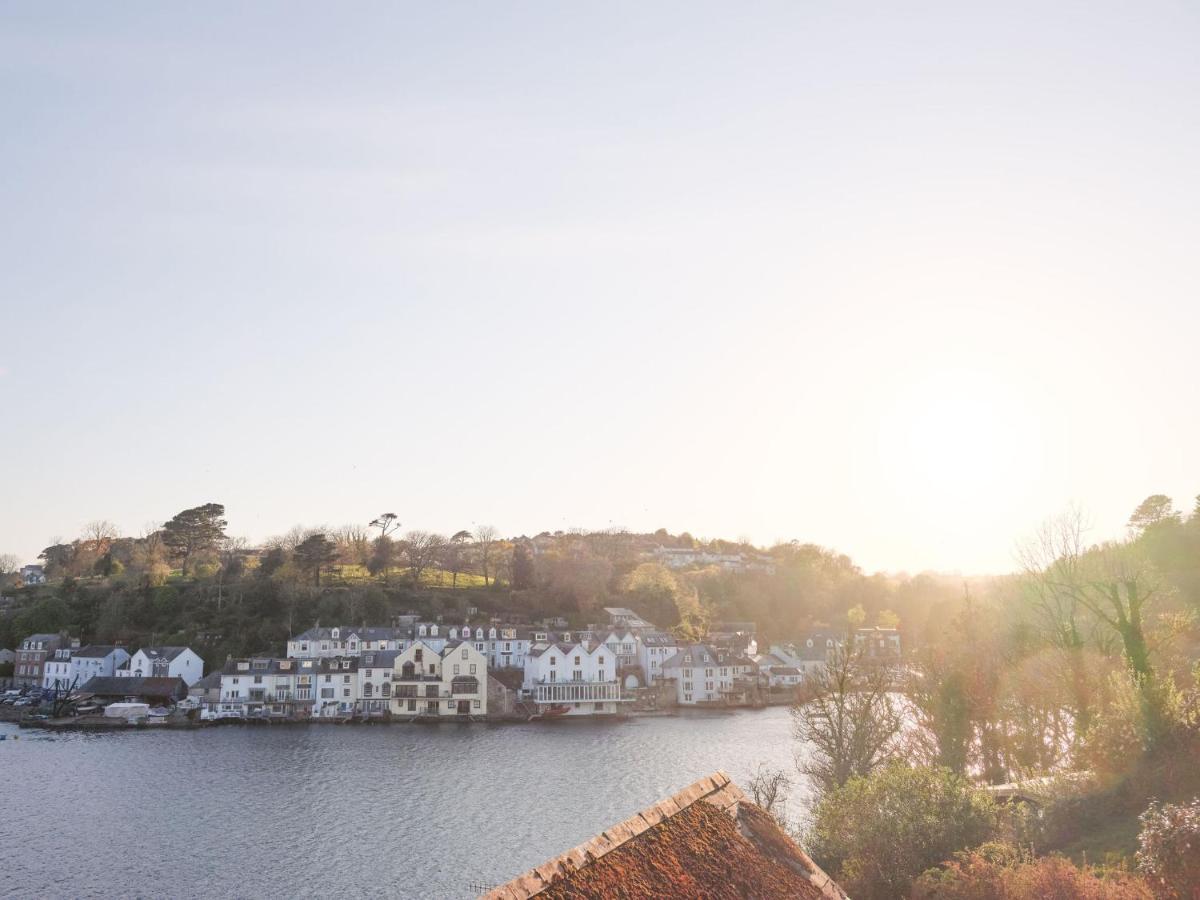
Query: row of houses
(58,662)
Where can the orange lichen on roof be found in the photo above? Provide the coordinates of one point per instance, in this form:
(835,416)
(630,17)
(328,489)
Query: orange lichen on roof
(708,840)
(699,852)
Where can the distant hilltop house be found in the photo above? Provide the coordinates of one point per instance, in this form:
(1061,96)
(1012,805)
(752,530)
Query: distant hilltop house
(7,656)
(33,575)
(709,840)
(164,662)
(687,558)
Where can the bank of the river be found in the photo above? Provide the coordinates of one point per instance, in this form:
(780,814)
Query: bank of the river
(306,810)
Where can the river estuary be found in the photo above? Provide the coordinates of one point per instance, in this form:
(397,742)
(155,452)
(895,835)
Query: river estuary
(408,811)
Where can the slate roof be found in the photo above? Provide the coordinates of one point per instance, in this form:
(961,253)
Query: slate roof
(378,659)
(708,841)
(167,653)
(119,686)
(96,651)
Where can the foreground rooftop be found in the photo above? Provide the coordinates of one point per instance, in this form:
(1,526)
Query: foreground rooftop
(709,840)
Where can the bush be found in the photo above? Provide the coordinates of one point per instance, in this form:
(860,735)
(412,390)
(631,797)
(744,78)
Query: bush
(878,833)
(1002,872)
(1169,848)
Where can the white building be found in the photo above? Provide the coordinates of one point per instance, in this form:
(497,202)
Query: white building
(575,679)
(342,640)
(164,662)
(266,687)
(97,659)
(704,675)
(654,648)
(375,669)
(56,674)
(447,682)
(31,575)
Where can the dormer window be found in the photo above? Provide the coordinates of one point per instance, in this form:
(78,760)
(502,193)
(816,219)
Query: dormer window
(345,664)
(335,634)
(433,630)
(423,630)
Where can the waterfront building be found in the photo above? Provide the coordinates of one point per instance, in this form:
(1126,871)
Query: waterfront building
(56,673)
(97,659)
(375,669)
(266,687)
(336,680)
(710,676)
(567,678)
(450,681)
(118,689)
(709,836)
(164,662)
(32,654)
(207,693)
(653,649)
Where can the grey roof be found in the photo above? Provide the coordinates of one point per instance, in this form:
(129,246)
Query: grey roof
(116,686)
(263,665)
(167,653)
(366,633)
(209,682)
(96,650)
(659,639)
(378,659)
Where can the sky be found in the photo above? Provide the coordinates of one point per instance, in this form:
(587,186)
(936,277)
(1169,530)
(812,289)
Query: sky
(902,280)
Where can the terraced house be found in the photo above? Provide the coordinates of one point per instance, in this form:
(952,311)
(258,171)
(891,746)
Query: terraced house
(572,679)
(450,681)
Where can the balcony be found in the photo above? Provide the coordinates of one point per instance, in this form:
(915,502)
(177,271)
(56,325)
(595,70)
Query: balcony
(577,692)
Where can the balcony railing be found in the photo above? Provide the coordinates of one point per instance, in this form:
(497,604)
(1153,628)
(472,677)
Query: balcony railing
(577,692)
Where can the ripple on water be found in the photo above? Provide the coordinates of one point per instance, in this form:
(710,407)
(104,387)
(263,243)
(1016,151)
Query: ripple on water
(301,811)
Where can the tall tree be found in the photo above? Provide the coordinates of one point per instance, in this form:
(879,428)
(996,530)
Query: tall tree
(1154,510)
(313,554)
(422,549)
(485,543)
(844,711)
(386,523)
(194,531)
(453,556)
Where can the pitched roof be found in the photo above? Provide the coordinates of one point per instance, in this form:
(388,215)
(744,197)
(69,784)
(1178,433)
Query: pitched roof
(119,686)
(167,653)
(96,650)
(724,847)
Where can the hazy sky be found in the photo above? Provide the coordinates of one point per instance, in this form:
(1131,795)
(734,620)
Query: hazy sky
(901,279)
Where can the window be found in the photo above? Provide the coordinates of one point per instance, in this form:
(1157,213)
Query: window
(475,704)
(345,679)
(419,655)
(346,692)
(472,668)
(601,660)
(577,660)
(456,668)
(464,653)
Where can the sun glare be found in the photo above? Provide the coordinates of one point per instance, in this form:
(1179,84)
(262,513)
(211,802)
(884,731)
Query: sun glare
(957,440)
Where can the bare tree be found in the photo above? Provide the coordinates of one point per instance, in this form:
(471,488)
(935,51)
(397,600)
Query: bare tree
(354,544)
(1114,583)
(99,535)
(845,714)
(9,563)
(485,541)
(422,548)
(770,789)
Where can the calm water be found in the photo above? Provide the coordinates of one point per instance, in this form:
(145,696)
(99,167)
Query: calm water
(406,811)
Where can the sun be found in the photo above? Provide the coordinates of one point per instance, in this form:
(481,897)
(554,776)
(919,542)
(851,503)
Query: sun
(958,440)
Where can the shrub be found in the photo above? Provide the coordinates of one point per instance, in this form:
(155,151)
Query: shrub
(1001,872)
(879,832)
(1169,848)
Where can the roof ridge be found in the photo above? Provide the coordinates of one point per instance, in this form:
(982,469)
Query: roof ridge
(717,788)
